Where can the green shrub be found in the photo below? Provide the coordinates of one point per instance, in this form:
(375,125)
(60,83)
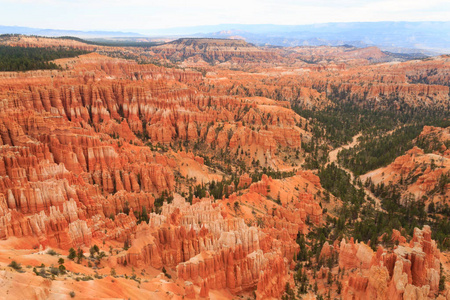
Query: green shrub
(16,266)
(72,254)
(52,252)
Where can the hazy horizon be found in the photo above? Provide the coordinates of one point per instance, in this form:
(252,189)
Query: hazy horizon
(141,16)
(220,26)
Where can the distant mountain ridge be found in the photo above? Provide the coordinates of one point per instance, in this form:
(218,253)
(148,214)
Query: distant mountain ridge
(403,37)
(430,38)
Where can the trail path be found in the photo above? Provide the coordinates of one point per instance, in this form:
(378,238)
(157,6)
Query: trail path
(334,153)
(332,158)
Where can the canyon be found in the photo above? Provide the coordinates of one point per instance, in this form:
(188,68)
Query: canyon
(179,172)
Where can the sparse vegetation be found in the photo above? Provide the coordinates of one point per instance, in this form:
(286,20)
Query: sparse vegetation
(16,266)
(52,252)
(165,273)
(72,254)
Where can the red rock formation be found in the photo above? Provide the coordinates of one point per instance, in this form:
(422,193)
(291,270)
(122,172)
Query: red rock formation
(397,237)
(212,50)
(261,187)
(215,253)
(428,168)
(80,163)
(407,272)
(244,181)
(189,288)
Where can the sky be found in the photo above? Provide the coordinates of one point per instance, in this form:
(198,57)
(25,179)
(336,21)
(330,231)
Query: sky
(139,15)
